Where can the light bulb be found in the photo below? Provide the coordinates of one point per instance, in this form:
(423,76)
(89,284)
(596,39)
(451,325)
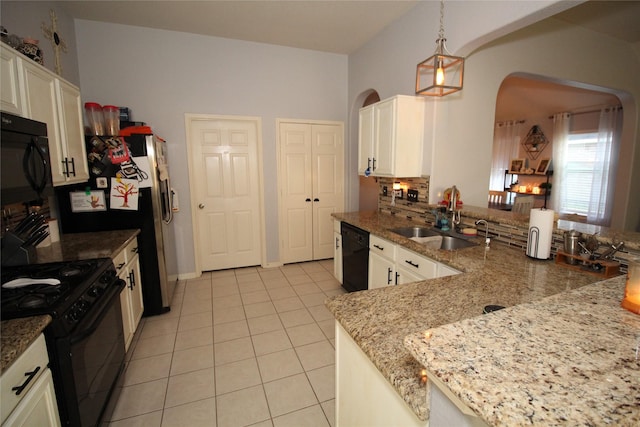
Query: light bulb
(440,76)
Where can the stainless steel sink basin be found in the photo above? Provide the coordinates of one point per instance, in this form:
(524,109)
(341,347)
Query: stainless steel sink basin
(450,243)
(415,232)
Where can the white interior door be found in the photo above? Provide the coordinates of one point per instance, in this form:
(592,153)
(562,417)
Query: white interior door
(226,198)
(328,185)
(296,222)
(311,176)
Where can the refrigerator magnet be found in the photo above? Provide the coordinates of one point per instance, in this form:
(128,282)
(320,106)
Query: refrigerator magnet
(124,194)
(87,201)
(101,182)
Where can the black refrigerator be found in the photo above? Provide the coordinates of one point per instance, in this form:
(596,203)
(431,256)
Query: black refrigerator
(129,187)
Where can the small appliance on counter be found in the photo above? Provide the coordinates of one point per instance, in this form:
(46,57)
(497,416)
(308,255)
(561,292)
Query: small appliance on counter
(129,188)
(540,233)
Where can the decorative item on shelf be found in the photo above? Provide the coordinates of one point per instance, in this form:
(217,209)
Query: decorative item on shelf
(51,33)
(517,166)
(522,189)
(543,167)
(536,190)
(535,142)
(631,300)
(442,73)
(30,49)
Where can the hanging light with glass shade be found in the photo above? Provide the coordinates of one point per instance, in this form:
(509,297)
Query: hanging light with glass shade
(442,73)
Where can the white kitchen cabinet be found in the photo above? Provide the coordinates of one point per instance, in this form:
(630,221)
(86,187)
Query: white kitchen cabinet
(444,270)
(337,251)
(311,185)
(10,96)
(127,264)
(363,396)
(26,390)
(390,137)
(412,267)
(382,263)
(49,99)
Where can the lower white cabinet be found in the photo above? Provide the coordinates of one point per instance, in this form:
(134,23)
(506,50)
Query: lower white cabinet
(27,393)
(412,267)
(337,251)
(382,263)
(127,264)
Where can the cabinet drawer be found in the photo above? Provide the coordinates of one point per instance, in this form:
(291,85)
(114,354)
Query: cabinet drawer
(120,261)
(20,372)
(131,250)
(382,247)
(416,263)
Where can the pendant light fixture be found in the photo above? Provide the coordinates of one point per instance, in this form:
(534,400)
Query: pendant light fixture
(440,74)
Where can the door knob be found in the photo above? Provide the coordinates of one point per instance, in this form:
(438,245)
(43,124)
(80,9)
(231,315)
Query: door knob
(201,206)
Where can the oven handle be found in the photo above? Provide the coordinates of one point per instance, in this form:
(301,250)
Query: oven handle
(94,321)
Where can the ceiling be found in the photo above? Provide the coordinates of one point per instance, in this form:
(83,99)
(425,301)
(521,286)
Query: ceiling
(337,26)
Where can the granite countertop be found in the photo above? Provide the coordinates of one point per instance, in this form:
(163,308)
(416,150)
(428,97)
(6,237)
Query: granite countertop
(378,320)
(17,334)
(569,358)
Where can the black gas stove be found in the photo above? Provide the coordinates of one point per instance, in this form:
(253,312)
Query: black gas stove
(85,339)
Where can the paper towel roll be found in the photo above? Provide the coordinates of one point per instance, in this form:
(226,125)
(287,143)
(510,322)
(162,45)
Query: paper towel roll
(540,233)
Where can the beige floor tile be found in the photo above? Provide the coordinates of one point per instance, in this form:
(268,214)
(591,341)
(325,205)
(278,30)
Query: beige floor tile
(154,346)
(276,283)
(296,318)
(159,326)
(270,273)
(190,387)
(288,304)
(255,297)
(196,306)
(321,275)
(247,277)
(316,355)
(278,365)
(233,300)
(320,313)
(305,334)
(140,399)
(152,419)
(230,331)
(290,270)
(306,289)
(264,324)
(329,409)
(299,280)
(328,285)
(195,321)
(259,309)
(232,351)
(194,338)
(224,291)
(230,314)
(281,293)
(311,300)
(196,414)
(270,342)
(192,359)
(312,267)
(223,281)
(147,369)
(237,375)
(323,382)
(234,411)
(248,287)
(328,328)
(313,416)
(289,394)
(335,292)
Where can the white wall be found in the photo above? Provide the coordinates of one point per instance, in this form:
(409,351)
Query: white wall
(161,75)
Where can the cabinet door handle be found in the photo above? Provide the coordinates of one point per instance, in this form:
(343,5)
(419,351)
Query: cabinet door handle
(65,166)
(388,275)
(337,243)
(134,250)
(132,279)
(30,376)
(412,264)
(120,266)
(316,200)
(369,163)
(308,200)
(378,247)
(73,167)
(397,275)
(374,163)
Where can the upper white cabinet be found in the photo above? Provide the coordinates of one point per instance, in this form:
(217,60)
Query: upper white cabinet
(36,93)
(390,137)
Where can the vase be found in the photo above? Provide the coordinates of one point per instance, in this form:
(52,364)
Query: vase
(30,49)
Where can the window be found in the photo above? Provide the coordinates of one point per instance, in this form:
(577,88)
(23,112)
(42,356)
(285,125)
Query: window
(580,162)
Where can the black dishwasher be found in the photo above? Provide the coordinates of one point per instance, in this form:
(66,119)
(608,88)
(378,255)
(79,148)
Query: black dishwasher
(355,258)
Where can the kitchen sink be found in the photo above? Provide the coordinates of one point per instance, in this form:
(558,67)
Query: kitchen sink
(433,238)
(410,232)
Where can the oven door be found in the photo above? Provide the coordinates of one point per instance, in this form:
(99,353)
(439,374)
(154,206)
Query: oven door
(94,354)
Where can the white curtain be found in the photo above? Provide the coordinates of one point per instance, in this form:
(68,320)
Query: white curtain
(561,127)
(506,143)
(604,168)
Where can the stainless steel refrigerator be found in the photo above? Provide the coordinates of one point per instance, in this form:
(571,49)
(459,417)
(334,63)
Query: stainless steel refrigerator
(129,188)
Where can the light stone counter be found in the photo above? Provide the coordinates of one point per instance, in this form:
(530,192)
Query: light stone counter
(379,320)
(569,359)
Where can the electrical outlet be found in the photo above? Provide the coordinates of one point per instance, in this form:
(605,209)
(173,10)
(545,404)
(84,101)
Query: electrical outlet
(399,193)
(412,195)
(384,190)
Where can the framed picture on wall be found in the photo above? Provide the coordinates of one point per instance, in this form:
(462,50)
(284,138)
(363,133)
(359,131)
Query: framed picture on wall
(516,165)
(543,166)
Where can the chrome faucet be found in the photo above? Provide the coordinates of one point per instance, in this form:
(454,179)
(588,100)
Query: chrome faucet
(453,204)
(486,231)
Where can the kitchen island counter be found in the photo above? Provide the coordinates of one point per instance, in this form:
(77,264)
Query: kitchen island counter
(378,320)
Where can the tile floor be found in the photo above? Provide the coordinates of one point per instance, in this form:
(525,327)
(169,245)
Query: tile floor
(242,347)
